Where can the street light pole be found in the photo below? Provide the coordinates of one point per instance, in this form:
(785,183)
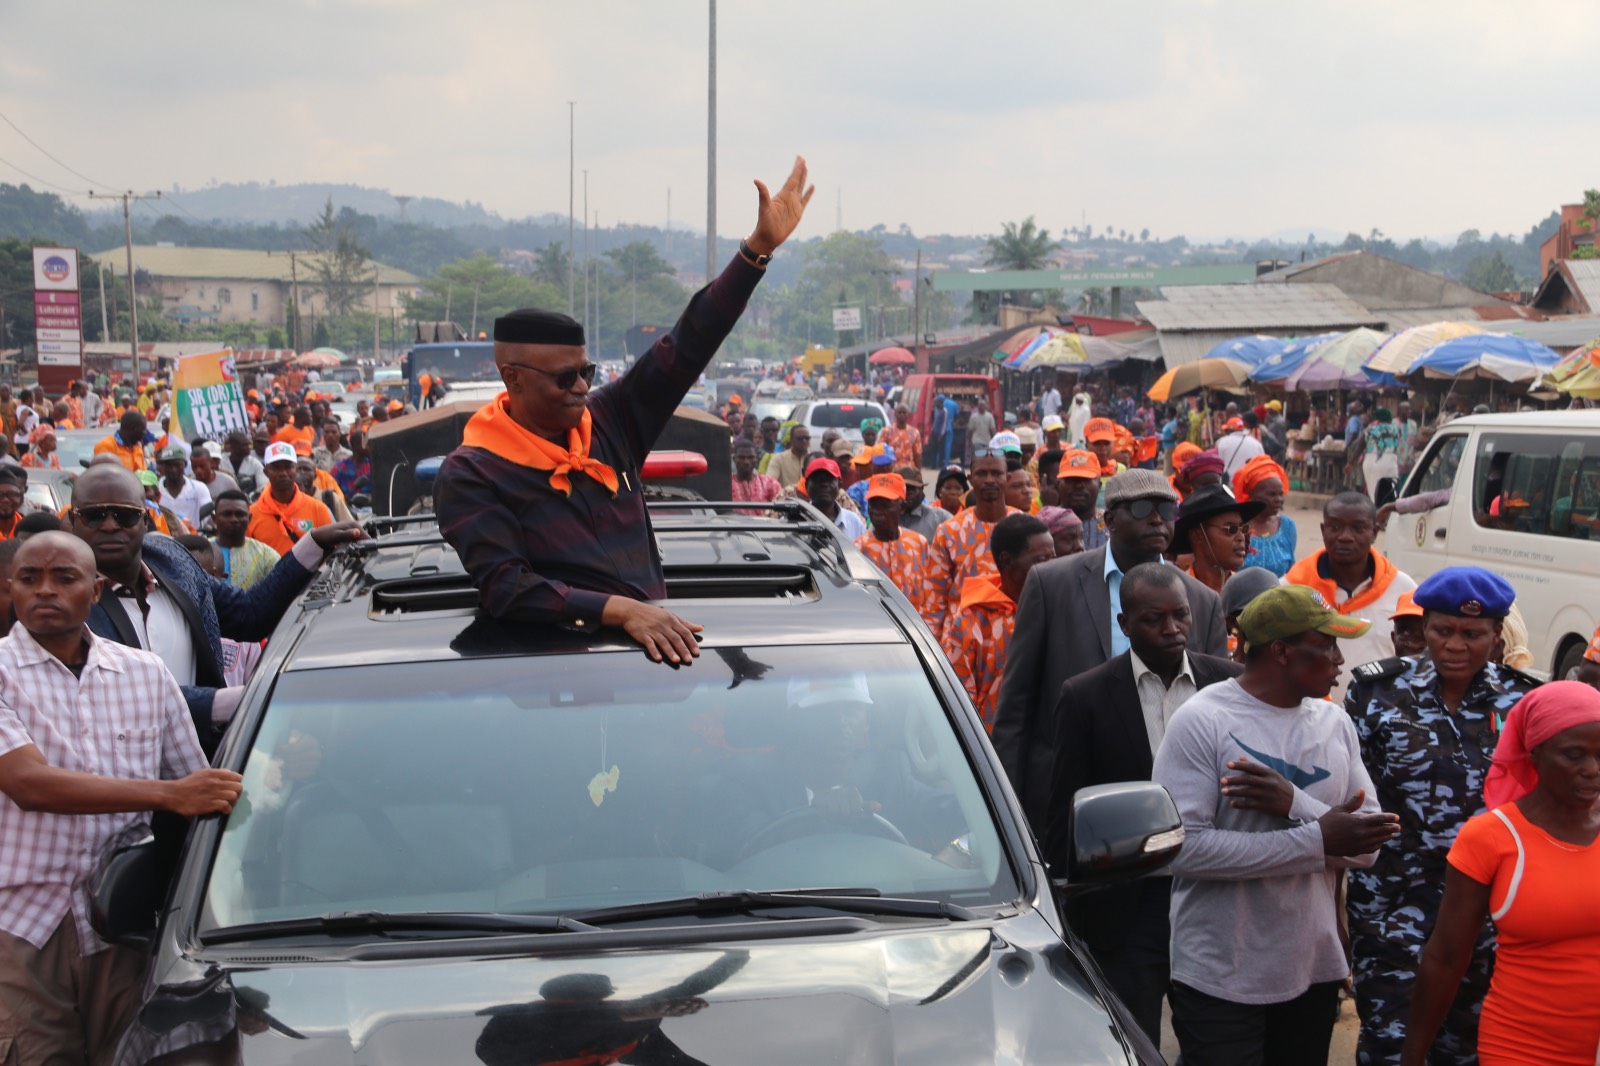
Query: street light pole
(572,111)
(711,150)
(133,297)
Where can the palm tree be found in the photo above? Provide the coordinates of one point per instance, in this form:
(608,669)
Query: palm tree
(1021,246)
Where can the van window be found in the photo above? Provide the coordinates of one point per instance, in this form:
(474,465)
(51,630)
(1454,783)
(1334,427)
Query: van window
(1533,483)
(911,399)
(1439,466)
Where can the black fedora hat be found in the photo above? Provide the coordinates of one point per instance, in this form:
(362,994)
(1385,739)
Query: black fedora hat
(1206,503)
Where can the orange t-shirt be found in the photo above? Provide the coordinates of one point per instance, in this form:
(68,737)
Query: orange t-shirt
(980,632)
(1544,999)
(131,457)
(292,436)
(903,561)
(271,522)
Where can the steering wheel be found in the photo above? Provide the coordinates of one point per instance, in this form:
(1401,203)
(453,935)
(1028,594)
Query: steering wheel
(804,821)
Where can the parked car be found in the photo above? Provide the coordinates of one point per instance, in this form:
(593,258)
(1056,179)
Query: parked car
(462,840)
(842,413)
(1523,500)
(75,447)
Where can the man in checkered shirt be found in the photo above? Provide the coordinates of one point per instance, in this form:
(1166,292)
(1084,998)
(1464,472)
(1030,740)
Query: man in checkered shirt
(93,737)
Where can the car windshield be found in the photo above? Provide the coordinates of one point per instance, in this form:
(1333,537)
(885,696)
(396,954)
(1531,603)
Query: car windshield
(843,415)
(456,363)
(558,785)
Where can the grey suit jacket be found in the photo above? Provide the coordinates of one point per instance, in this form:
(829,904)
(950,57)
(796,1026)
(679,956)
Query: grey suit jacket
(1063,628)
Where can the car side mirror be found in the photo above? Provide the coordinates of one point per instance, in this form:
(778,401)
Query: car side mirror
(1388,490)
(128,894)
(1121,832)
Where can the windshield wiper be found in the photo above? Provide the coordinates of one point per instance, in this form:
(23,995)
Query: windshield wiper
(849,900)
(355,922)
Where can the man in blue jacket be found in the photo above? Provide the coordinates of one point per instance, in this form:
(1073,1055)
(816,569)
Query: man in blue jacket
(159,599)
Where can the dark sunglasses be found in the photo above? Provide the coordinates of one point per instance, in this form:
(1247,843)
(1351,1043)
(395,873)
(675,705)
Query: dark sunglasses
(1230,529)
(567,378)
(1139,510)
(126,516)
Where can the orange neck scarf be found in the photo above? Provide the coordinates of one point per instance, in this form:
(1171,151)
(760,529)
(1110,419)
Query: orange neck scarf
(285,513)
(1305,573)
(494,430)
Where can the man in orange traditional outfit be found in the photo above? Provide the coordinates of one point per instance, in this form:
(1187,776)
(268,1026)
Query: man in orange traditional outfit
(542,501)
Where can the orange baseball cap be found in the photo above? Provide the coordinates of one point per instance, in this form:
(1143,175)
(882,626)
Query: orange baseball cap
(1079,463)
(1232,424)
(1100,429)
(886,487)
(1406,608)
(396,405)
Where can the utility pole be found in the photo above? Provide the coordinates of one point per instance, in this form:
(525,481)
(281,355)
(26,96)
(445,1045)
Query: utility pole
(669,224)
(294,296)
(449,291)
(133,297)
(711,151)
(472,334)
(916,304)
(586,247)
(105,321)
(572,112)
(377,290)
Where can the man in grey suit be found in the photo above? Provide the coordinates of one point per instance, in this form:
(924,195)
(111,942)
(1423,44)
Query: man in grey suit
(1064,627)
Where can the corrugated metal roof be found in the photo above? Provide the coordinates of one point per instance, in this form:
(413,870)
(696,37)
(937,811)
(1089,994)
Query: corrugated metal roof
(1585,274)
(1255,308)
(1562,334)
(1399,318)
(1180,348)
(231,264)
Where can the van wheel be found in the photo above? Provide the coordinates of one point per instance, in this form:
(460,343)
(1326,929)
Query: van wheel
(1567,665)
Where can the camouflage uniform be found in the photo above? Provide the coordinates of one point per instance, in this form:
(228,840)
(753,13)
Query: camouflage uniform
(1428,766)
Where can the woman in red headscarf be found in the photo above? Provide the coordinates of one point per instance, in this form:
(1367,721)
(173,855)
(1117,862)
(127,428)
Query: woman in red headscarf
(1531,863)
(1273,536)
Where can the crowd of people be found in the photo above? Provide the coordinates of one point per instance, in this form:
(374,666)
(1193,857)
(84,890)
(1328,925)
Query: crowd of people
(1120,604)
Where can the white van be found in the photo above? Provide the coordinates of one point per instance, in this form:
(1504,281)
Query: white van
(1524,501)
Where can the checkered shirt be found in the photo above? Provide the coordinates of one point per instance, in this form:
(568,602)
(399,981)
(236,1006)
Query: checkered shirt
(124,718)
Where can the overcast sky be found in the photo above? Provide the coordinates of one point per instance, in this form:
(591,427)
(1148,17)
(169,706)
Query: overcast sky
(1419,118)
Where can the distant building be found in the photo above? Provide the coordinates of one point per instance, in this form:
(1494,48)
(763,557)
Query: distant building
(1570,287)
(238,285)
(1574,231)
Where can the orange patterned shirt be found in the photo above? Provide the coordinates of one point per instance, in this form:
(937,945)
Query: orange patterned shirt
(980,633)
(960,550)
(904,561)
(907,444)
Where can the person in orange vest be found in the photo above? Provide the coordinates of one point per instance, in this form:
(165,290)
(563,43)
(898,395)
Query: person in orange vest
(284,513)
(127,442)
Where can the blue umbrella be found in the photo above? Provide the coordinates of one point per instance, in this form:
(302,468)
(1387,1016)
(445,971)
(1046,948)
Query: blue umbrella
(1487,355)
(1275,366)
(1247,350)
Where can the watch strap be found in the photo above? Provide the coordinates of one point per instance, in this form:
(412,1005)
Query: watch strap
(749,254)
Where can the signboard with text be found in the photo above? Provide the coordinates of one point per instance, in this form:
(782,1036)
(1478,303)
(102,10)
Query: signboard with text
(209,398)
(57,317)
(846,318)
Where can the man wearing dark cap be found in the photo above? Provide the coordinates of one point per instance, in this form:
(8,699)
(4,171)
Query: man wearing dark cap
(542,501)
(1257,959)
(918,516)
(1428,727)
(1064,627)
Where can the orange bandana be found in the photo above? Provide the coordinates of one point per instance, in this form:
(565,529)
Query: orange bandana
(494,430)
(1305,573)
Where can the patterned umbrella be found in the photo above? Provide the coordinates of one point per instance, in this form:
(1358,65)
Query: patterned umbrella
(1396,355)
(1053,351)
(1019,340)
(1200,374)
(1338,364)
(1579,373)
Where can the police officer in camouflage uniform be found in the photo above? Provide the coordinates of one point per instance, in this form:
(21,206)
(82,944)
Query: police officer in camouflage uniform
(1428,727)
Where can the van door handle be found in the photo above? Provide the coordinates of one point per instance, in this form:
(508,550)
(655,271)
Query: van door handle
(1438,534)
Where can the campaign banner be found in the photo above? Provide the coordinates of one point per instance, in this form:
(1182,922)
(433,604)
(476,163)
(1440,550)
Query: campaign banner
(209,399)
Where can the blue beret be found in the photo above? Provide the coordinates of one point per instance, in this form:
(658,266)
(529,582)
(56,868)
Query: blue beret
(1467,591)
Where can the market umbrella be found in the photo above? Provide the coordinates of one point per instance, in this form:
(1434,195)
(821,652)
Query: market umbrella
(1105,353)
(320,358)
(1579,373)
(1200,374)
(1019,340)
(1275,366)
(1396,355)
(1338,363)
(891,356)
(1248,350)
(1487,355)
(1054,351)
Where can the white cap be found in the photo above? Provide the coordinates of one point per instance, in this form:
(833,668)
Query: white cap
(213,449)
(280,452)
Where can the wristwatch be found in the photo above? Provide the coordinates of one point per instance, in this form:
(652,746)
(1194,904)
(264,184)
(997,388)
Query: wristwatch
(750,254)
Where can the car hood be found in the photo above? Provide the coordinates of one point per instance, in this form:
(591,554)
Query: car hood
(962,994)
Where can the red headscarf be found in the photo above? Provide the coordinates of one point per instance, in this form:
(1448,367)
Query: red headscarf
(1259,469)
(1551,708)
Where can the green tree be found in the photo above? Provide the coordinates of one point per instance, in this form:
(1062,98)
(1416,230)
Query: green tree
(1491,273)
(551,264)
(341,270)
(41,215)
(1021,246)
(496,290)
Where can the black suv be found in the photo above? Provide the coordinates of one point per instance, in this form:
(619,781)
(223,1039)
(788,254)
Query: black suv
(465,841)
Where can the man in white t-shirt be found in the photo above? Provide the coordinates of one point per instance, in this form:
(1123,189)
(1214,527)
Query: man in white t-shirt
(1236,447)
(1049,400)
(180,494)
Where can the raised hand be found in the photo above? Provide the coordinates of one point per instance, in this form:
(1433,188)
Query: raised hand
(777,216)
